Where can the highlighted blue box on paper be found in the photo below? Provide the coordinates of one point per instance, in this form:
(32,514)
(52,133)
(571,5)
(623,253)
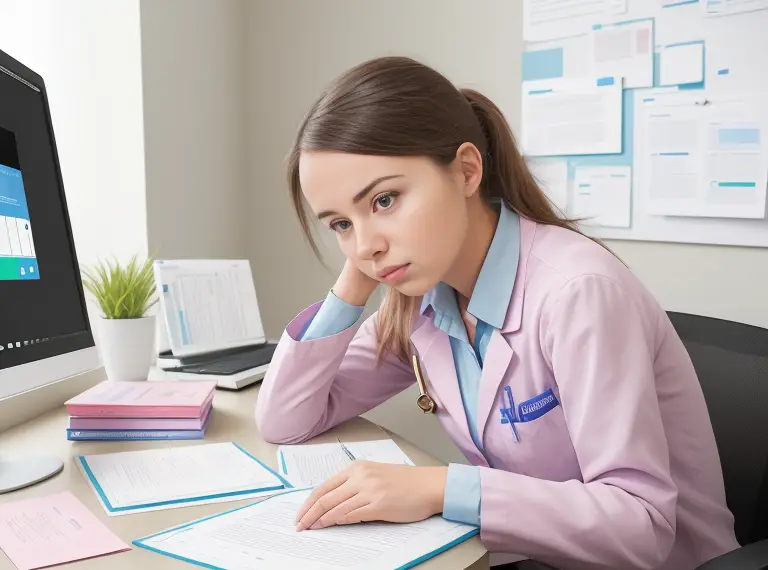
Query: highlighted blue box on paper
(542,64)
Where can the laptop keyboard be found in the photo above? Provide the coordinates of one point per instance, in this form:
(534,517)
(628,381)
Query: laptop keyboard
(233,363)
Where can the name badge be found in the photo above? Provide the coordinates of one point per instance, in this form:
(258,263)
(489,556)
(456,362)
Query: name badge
(538,406)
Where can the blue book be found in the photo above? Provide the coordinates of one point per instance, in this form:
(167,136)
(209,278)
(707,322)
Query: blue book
(136,434)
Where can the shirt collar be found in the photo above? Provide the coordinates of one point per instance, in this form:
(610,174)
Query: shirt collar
(493,290)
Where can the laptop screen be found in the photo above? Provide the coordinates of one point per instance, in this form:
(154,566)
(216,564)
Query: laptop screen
(208,305)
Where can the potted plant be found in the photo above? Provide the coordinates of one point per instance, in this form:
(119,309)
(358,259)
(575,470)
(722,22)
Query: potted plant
(126,333)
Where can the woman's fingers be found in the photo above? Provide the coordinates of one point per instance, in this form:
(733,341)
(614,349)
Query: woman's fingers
(324,504)
(326,487)
(343,513)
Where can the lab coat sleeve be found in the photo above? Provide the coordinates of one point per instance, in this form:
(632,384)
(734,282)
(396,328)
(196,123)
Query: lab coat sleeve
(333,317)
(601,345)
(314,385)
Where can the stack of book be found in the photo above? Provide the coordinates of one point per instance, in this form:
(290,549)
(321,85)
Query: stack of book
(141,411)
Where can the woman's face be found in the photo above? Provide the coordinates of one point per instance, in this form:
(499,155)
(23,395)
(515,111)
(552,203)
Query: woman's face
(400,220)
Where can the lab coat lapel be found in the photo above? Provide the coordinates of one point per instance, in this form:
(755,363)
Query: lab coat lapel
(497,360)
(499,354)
(439,370)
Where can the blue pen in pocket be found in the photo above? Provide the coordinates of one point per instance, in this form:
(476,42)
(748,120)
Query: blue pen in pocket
(510,412)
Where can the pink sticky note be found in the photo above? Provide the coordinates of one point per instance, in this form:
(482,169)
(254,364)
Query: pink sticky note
(51,530)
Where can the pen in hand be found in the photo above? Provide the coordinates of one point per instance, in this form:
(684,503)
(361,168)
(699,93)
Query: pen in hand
(346,450)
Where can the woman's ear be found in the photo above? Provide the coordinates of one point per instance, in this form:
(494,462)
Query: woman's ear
(469,163)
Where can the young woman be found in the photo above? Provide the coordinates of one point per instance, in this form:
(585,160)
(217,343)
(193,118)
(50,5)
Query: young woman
(549,365)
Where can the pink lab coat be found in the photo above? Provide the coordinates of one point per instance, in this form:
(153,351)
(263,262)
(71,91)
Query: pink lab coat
(623,474)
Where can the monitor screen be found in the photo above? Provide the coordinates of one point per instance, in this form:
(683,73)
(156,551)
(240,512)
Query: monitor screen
(42,309)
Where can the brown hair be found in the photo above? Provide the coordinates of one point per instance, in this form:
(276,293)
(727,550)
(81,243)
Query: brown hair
(395,106)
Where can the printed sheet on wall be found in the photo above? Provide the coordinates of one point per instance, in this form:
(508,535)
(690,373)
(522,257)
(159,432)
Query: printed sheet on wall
(648,119)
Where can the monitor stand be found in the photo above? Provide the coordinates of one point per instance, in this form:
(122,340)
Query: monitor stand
(25,471)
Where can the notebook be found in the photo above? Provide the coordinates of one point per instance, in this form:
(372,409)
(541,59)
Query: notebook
(167,399)
(109,423)
(147,434)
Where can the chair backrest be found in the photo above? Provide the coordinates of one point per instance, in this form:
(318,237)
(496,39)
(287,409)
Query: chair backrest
(731,361)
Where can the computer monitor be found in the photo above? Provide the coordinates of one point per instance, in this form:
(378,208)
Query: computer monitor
(45,334)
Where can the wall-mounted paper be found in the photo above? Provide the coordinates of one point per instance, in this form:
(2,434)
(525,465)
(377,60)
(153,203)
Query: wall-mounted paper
(681,64)
(624,49)
(551,19)
(728,7)
(572,117)
(602,195)
(552,176)
(705,159)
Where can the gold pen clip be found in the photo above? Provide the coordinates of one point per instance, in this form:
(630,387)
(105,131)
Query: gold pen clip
(425,402)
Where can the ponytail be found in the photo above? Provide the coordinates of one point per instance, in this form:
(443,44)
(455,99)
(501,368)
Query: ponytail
(506,175)
(395,106)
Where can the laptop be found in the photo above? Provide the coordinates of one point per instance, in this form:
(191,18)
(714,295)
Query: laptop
(212,321)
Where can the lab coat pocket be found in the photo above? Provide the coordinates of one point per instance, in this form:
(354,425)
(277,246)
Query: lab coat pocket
(542,447)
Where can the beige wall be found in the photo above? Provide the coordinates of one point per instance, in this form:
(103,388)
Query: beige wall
(193,70)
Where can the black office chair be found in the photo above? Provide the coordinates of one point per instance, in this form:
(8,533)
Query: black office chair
(731,360)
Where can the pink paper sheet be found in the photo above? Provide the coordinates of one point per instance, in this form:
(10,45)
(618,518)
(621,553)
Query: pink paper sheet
(51,530)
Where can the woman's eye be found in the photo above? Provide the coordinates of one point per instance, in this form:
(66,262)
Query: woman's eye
(341,226)
(385,201)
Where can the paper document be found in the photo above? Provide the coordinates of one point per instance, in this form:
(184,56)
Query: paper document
(624,49)
(263,536)
(136,481)
(55,529)
(728,7)
(572,117)
(310,465)
(706,158)
(681,64)
(552,177)
(208,305)
(552,19)
(603,195)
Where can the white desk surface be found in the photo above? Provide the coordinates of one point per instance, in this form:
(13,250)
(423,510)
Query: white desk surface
(232,420)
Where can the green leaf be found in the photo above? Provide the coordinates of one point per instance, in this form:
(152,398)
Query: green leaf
(121,291)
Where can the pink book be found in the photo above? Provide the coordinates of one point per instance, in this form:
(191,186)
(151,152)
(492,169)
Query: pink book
(167,399)
(109,423)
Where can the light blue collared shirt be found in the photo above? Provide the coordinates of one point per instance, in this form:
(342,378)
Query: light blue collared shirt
(488,304)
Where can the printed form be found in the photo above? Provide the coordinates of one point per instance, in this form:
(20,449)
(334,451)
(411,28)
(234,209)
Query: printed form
(624,49)
(603,195)
(263,536)
(137,481)
(706,158)
(310,465)
(572,116)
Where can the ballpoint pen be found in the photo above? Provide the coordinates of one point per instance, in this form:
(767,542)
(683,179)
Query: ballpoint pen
(511,415)
(346,450)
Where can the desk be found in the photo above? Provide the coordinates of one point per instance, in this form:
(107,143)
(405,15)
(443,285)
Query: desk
(232,420)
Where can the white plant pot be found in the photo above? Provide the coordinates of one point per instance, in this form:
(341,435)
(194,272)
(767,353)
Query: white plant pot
(126,347)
